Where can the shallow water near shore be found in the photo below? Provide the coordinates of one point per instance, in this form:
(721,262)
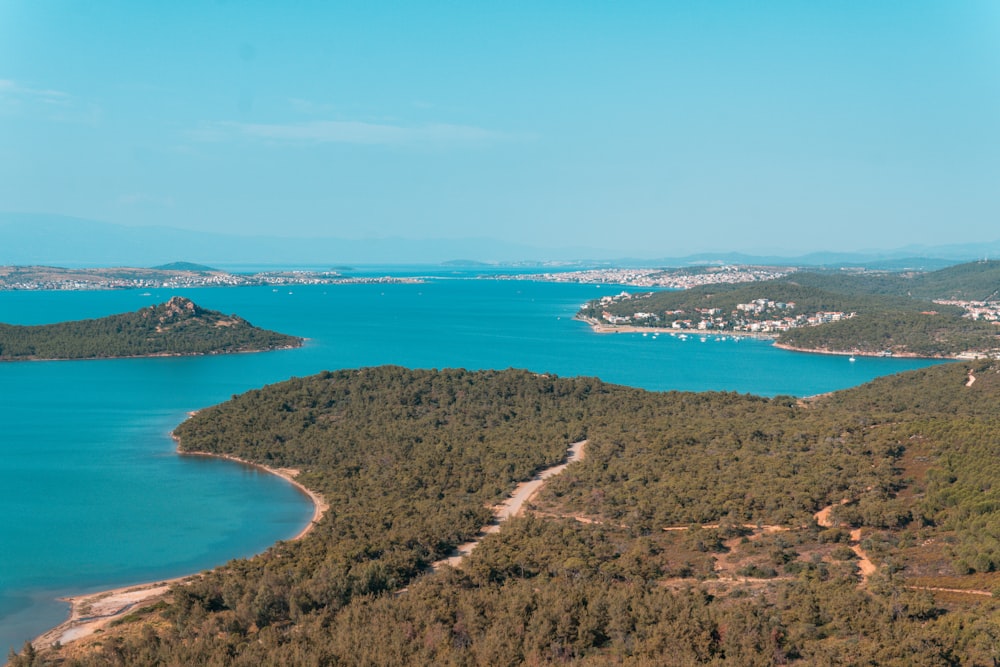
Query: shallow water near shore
(96,497)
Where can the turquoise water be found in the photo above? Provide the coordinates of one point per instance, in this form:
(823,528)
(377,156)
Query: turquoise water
(95,496)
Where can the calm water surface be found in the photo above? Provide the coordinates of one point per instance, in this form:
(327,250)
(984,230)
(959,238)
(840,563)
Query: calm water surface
(96,497)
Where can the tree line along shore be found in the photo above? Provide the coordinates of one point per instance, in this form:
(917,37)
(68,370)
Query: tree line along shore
(648,551)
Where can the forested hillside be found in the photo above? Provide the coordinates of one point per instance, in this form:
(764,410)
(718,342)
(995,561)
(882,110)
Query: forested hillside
(929,334)
(687,535)
(175,327)
(973,281)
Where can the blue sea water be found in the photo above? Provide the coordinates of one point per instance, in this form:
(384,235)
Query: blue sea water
(96,497)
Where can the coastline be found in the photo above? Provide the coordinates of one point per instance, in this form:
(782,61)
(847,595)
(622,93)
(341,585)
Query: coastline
(320,506)
(90,612)
(894,355)
(156,355)
(599,328)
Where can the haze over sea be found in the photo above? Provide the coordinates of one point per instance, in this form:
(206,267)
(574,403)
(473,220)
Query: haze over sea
(95,496)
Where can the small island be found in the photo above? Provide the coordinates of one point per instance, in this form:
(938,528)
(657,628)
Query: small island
(177,327)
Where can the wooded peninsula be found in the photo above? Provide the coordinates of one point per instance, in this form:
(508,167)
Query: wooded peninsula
(950,313)
(862,527)
(176,327)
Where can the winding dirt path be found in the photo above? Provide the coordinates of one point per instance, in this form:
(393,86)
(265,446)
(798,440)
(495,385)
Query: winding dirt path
(758,529)
(939,589)
(865,564)
(823,516)
(868,568)
(514,505)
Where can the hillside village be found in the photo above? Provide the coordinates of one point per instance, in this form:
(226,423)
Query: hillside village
(761,315)
(987,311)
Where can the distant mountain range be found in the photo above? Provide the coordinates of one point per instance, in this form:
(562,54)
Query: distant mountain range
(53,240)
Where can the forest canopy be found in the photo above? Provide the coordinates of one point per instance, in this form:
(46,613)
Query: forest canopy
(687,535)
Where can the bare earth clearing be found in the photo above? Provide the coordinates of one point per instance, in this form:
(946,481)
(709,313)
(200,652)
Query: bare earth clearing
(90,613)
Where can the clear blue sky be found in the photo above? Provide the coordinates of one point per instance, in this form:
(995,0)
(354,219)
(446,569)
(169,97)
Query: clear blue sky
(650,128)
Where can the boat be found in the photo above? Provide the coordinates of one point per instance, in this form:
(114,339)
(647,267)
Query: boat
(852,358)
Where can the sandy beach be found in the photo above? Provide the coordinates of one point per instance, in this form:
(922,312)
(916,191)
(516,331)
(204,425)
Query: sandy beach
(320,506)
(91,612)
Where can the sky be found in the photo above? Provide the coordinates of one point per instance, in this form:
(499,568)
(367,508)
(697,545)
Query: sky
(642,128)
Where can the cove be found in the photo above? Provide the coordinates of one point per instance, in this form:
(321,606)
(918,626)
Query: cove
(96,497)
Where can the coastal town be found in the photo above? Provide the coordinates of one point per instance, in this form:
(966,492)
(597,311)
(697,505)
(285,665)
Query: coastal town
(685,278)
(56,278)
(759,316)
(986,311)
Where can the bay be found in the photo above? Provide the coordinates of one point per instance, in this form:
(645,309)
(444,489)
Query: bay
(96,496)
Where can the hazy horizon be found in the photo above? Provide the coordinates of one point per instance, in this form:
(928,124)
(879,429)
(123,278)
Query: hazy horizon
(33,239)
(653,129)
